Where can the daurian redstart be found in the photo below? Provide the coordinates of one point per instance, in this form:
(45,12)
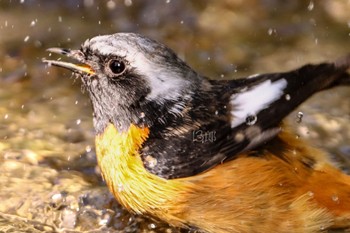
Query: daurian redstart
(207,154)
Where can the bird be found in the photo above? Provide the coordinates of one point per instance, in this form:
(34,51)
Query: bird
(204,154)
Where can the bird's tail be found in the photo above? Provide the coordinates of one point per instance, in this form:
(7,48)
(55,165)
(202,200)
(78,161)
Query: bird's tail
(329,186)
(342,65)
(330,189)
(321,187)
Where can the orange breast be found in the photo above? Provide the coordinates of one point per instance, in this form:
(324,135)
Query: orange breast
(248,194)
(133,186)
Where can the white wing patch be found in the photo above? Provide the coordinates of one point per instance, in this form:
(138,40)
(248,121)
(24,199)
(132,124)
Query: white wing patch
(251,102)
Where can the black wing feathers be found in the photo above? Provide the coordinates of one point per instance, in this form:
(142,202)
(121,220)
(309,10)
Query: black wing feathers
(213,139)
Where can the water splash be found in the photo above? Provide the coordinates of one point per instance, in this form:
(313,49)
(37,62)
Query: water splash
(120,188)
(26,38)
(335,198)
(251,119)
(311,194)
(311,6)
(142,115)
(300,116)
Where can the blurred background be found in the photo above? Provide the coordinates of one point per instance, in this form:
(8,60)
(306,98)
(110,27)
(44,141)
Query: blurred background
(49,181)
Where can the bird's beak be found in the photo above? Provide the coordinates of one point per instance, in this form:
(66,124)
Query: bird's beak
(77,55)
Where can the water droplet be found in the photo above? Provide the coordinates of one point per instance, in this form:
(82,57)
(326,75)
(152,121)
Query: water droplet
(181,22)
(57,198)
(6,116)
(311,194)
(270,31)
(250,76)
(152,226)
(152,162)
(32,24)
(311,6)
(120,188)
(142,115)
(216,112)
(335,198)
(128,2)
(78,121)
(300,116)
(60,19)
(103,222)
(26,38)
(88,149)
(251,119)
(287,96)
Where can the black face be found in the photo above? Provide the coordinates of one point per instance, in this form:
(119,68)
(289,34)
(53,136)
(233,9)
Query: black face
(116,92)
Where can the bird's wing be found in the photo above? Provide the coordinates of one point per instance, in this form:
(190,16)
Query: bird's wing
(250,113)
(260,103)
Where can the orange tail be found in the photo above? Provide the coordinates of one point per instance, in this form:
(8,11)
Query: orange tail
(330,188)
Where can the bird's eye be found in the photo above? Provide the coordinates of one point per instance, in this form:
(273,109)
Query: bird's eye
(116,66)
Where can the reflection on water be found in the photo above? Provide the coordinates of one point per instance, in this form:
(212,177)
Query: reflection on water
(49,180)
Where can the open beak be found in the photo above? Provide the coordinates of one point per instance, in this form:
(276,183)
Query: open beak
(77,55)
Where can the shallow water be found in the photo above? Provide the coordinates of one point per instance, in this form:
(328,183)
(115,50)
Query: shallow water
(49,180)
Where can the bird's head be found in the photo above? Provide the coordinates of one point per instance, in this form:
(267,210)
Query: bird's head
(131,79)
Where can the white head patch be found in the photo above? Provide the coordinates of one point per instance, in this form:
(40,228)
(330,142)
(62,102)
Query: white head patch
(251,102)
(141,53)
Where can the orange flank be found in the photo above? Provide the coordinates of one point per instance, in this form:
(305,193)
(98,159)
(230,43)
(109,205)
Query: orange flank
(291,189)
